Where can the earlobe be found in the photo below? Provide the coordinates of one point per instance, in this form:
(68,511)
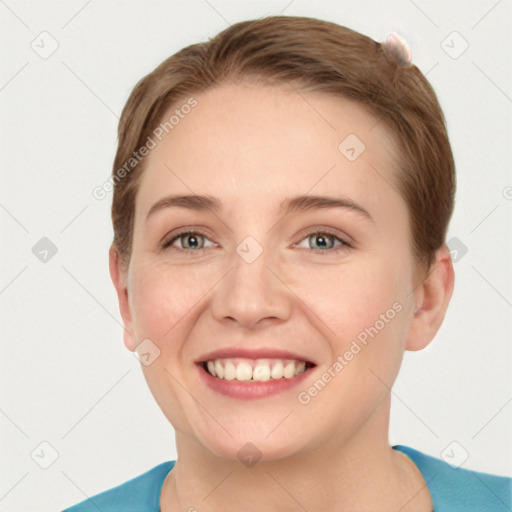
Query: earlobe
(432,298)
(117,274)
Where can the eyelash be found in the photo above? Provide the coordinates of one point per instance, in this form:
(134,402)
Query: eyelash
(344,244)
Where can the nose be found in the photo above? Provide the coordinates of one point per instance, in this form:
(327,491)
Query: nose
(252,293)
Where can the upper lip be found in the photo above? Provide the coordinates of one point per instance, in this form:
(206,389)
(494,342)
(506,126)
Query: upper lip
(260,353)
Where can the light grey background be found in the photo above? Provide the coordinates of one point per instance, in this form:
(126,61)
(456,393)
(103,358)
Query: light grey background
(66,378)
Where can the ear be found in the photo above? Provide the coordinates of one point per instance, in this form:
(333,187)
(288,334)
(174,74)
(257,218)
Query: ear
(432,297)
(118,276)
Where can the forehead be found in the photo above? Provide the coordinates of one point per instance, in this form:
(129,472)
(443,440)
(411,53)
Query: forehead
(251,144)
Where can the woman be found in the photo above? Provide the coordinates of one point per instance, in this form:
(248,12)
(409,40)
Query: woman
(282,195)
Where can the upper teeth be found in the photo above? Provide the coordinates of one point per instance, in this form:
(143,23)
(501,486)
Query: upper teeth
(255,369)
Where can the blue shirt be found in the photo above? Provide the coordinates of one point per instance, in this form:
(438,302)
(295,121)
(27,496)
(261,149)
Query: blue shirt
(451,489)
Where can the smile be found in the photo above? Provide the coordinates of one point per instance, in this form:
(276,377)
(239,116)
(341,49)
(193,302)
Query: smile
(255,370)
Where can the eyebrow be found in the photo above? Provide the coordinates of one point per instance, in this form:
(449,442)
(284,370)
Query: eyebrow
(301,203)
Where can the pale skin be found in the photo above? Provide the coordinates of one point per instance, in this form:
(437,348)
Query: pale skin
(252,147)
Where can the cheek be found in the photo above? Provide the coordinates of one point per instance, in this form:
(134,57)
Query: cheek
(163,299)
(349,298)
(363,306)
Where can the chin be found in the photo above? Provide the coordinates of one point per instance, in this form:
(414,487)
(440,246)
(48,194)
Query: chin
(250,452)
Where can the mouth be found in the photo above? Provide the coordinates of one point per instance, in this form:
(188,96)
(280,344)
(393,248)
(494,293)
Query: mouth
(249,370)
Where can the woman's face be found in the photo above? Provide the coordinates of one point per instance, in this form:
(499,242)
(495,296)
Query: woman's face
(254,287)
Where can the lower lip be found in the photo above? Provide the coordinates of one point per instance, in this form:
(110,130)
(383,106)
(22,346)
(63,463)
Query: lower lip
(248,390)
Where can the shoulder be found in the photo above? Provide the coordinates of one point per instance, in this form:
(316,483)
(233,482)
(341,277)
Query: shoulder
(140,494)
(456,489)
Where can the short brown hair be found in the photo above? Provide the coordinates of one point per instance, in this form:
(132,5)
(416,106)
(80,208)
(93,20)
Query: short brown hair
(317,56)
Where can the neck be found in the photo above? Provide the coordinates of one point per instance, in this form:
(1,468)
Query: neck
(361,473)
